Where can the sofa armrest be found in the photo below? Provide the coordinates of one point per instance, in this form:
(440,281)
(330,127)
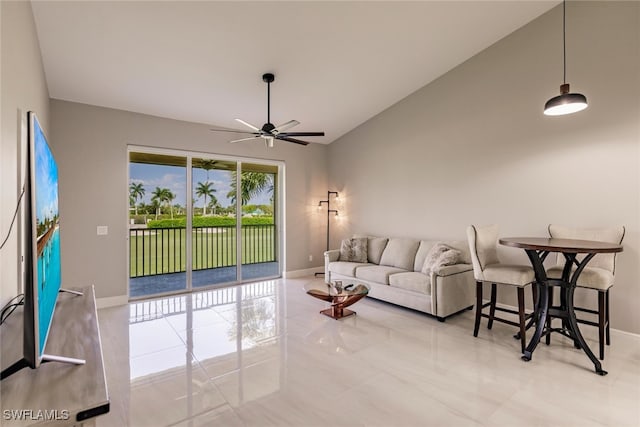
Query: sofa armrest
(452,289)
(330,256)
(449,270)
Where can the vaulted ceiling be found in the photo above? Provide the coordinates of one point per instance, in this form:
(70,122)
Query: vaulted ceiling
(337,64)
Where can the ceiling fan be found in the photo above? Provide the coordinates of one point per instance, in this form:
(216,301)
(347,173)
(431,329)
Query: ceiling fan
(269,132)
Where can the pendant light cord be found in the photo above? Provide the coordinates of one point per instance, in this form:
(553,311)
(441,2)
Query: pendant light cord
(564,42)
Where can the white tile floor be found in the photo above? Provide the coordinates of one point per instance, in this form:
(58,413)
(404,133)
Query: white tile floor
(262,355)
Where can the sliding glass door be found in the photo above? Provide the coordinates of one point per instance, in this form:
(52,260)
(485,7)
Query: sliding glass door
(180,241)
(157,234)
(259,233)
(214,222)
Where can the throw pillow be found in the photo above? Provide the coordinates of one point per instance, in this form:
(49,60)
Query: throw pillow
(432,257)
(375,247)
(449,257)
(354,250)
(439,256)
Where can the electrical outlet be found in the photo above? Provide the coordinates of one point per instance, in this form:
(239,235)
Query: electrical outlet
(310,258)
(102,230)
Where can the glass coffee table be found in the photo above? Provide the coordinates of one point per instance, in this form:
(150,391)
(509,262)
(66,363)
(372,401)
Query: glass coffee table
(340,297)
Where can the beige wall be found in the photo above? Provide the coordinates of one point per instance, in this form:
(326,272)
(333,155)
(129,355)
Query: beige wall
(91,150)
(22,88)
(474,146)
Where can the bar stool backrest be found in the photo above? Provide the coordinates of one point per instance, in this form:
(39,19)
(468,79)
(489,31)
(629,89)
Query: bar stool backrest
(609,235)
(483,242)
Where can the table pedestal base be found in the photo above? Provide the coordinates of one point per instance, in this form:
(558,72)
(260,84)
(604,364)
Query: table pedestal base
(336,312)
(545,312)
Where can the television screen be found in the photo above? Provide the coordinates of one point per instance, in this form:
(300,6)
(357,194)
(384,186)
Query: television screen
(45,232)
(41,251)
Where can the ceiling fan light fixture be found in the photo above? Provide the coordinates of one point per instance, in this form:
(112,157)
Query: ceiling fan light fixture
(565,103)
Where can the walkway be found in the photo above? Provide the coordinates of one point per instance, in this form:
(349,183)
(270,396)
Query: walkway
(162,283)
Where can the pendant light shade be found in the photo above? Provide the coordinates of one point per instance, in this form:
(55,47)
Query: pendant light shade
(565,103)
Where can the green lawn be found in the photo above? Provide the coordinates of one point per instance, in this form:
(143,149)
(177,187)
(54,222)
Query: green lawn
(163,250)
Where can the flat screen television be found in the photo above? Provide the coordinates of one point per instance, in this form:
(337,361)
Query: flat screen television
(43,277)
(42,264)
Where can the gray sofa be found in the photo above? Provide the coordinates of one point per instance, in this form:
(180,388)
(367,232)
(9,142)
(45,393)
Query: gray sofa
(393,274)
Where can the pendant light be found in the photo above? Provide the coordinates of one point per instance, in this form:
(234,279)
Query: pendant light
(565,103)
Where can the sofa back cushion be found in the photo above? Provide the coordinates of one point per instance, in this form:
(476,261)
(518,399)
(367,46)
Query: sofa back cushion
(426,245)
(400,253)
(375,248)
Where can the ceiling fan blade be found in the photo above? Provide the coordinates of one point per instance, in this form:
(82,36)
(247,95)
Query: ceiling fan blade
(243,139)
(230,130)
(295,141)
(249,125)
(302,134)
(285,126)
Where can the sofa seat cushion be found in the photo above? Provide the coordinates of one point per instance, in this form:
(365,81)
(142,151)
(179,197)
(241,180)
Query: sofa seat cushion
(377,273)
(411,281)
(591,277)
(345,268)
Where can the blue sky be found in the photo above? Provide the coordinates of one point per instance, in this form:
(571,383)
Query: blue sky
(46,177)
(175,179)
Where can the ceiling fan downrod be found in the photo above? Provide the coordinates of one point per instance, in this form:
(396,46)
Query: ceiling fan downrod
(268,78)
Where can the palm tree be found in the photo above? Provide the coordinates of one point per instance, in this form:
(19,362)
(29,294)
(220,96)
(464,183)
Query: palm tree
(203,190)
(136,191)
(169,196)
(155,204)
(252,184)
(207,165)
(214,205)
(162,196)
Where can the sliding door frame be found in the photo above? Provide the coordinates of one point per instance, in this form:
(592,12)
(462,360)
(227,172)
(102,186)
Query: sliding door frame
(189,155)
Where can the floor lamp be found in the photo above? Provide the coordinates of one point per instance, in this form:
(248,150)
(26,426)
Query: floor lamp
(329,212)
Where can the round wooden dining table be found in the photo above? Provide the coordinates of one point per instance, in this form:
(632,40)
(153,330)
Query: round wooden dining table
(577,254)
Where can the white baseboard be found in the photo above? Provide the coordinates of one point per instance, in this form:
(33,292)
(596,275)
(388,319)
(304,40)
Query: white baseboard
(620,331)
(111,301)
(294,274)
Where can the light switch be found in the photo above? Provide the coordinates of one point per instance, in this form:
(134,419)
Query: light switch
(103,230)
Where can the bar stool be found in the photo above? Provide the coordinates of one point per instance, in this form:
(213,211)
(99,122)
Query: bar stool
(599,275)
(487,268)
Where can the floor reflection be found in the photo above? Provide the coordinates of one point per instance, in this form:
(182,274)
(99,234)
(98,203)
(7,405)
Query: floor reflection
(195,353)
(262,354)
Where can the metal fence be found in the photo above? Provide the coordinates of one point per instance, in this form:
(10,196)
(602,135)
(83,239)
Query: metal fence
(163,250)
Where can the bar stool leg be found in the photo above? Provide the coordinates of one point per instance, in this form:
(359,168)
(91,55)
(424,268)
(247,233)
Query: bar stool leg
(607,319)
(601,322)
(548,337)
(492,307)
(478,308)
(523,339)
